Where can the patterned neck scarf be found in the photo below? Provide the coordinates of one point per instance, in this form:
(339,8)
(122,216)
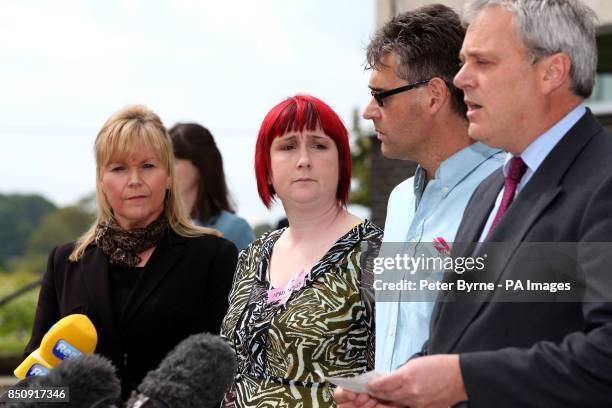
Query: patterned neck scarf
(123,246)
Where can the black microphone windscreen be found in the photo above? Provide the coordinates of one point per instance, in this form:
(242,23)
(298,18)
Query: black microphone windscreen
(90,378)
(195,374)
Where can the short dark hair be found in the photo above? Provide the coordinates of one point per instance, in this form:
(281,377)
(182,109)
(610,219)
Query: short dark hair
(193,142)
(427,41)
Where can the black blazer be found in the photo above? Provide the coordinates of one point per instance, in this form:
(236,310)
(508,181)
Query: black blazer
(183,291)
(546,354)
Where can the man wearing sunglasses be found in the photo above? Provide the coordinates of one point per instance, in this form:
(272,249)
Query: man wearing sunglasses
(528,67)
(419,115)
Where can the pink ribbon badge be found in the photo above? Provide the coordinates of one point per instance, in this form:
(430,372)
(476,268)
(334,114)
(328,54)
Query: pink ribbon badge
(282,294)
(442,246)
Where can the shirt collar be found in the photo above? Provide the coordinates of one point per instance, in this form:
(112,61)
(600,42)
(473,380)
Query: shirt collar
(536,152)
(455,168)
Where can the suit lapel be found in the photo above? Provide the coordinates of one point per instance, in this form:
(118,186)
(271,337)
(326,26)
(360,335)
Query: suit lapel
(455,317)
(461,313)
(94,268)
(167,253)
(473,223)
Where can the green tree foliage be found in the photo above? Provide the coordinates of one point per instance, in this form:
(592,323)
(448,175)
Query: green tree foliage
(59,227)
(360,156)
(55,228)
(31,263)
(16,316)
(19,215)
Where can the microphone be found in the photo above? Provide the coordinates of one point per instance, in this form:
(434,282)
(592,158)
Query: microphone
(195,374)
(90,380)
(71,336)
(27,383)
(33,365)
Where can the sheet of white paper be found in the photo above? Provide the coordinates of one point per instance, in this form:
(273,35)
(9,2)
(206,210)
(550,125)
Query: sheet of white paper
(356,384)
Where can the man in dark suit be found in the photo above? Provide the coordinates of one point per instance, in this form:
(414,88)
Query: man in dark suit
(527,67)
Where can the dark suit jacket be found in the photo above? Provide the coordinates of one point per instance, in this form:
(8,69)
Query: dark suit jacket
(183,291)
(544,354)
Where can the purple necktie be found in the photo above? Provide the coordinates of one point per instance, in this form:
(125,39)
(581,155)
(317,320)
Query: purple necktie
(515,173)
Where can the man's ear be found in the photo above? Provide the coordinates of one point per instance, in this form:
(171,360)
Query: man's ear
(438,94)
(555,72)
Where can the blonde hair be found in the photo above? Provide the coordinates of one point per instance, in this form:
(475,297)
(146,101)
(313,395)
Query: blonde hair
(124,133)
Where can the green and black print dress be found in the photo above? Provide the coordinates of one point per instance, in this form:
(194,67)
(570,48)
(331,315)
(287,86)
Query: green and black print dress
(326,328)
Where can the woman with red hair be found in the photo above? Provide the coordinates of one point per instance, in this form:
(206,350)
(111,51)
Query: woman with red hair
(300,309)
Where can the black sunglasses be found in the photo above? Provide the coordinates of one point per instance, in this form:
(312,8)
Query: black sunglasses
(380,96)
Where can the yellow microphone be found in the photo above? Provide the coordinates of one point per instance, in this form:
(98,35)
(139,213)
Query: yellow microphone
(33,365)
(71,336)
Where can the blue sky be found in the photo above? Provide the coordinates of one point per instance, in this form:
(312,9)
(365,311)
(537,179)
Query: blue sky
(65,66)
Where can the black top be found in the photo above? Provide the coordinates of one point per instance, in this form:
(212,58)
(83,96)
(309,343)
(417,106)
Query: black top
(183,291)
(122,280)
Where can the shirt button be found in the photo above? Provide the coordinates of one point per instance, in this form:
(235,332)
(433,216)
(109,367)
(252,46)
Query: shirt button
(391,332)
(445,189)
(413,240)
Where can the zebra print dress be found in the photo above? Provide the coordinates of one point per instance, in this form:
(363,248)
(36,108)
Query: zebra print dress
(326,328)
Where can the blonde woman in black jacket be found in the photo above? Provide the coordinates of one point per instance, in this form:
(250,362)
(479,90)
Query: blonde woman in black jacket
(143,273)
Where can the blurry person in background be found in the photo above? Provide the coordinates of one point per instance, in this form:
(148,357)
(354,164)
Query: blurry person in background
(143,273)
(301,307)
(201,180)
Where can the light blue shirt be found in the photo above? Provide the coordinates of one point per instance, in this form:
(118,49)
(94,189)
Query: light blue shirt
(419,213)
(233,227)
(534,155)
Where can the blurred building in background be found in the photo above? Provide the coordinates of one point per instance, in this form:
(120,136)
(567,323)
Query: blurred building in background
(388,173)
